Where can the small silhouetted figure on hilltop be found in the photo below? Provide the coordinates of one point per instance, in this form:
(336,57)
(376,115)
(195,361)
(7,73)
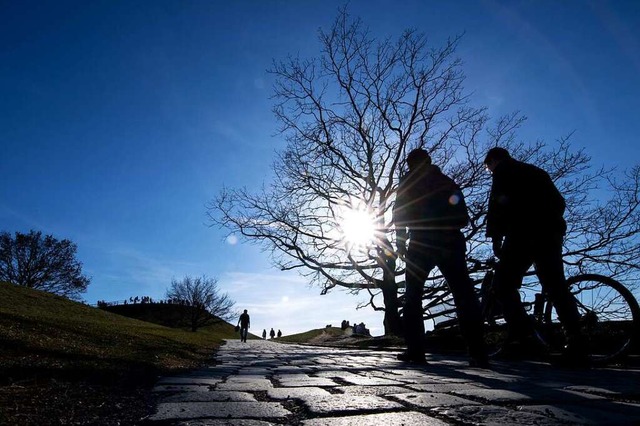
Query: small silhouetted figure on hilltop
(245,323)
(272,333)
(361,329)
(279,333)
(264,333)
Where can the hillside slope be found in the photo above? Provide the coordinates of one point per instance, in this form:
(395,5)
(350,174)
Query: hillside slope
(334,336)
(54,352)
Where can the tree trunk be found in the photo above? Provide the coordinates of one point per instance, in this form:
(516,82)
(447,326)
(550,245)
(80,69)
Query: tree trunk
(392,321)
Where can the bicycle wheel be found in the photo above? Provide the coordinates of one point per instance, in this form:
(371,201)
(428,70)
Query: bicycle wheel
(495,334)
(609,316)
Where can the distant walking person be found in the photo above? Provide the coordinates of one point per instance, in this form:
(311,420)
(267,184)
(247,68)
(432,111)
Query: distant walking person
(279,333)
(272,333)
(245,323)
(264,333)
(526,225)
(430,211)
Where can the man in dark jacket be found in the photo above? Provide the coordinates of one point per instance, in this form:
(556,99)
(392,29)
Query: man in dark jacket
(430,210)
(244,322)
(526,225)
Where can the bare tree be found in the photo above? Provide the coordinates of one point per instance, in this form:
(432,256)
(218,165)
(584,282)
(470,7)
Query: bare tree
(201,300)
(42,262)
(349,117)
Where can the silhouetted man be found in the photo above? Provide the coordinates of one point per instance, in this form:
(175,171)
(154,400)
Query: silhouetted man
(272,333)
(430,210)
(526,225)
(245,323)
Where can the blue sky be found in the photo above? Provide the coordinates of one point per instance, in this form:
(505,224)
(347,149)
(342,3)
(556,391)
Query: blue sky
(120,120)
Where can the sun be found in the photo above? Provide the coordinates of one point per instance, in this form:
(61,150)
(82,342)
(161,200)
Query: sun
(358,227)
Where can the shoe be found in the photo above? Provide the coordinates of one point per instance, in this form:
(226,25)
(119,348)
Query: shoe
(478,357)
(479,362)
(575,355)
(412,358)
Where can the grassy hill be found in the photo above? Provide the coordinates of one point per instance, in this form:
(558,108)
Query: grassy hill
(328,333)
(63,362)
(169,315)
(334,336)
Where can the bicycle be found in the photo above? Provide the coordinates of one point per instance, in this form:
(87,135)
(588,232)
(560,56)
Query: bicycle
(609,315)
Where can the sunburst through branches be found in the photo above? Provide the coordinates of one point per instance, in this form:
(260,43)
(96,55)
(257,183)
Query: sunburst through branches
(358,227)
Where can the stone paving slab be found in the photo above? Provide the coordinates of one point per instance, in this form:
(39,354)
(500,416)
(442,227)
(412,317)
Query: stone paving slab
(490,415)
(341,404)
(235,384)
(303,380)
(499,396)
(356,379)
(226,422)
(526,394)
(260,383)
(371,390)
(299,393)
(232,409)
(209,396)
(431,400)
(443,387)
(383,419)
(291,369)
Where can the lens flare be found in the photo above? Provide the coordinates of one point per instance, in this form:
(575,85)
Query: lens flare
(358,226)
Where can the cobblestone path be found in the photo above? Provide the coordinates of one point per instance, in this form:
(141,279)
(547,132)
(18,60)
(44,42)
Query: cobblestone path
(262,382)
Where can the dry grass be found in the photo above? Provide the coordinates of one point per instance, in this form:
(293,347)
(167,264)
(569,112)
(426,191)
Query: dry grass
(63,362)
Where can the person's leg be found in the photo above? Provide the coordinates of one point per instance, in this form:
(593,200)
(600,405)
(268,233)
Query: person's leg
(550,271)
(514,263)
(452,264)
(418,266)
